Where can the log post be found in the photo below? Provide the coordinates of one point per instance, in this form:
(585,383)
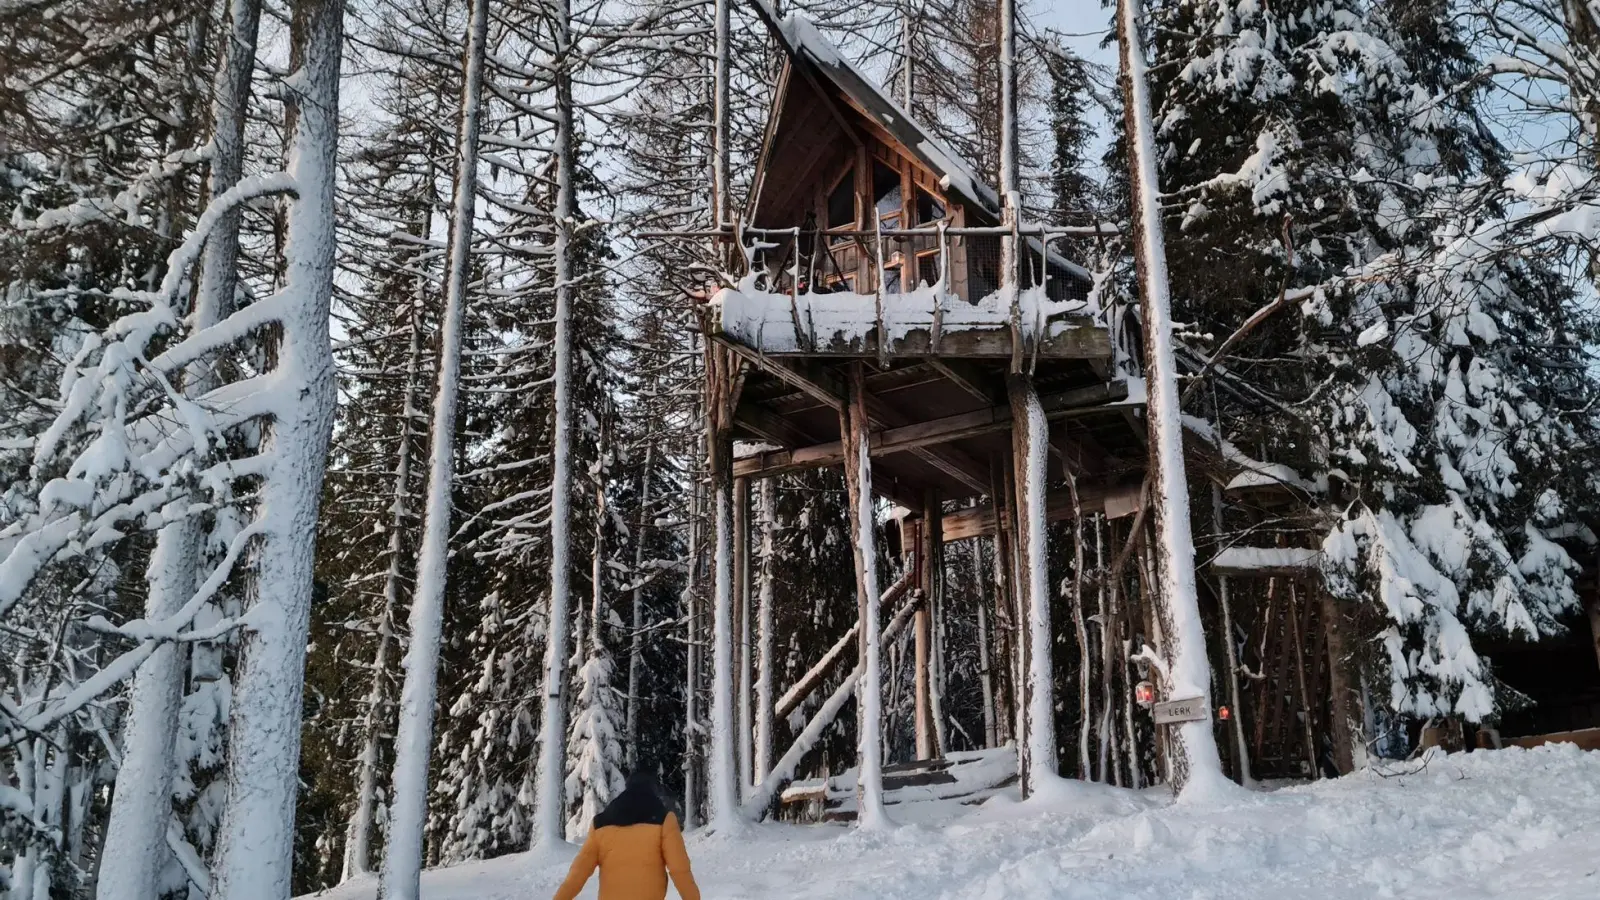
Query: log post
(1031,438)
(853,431)
(764,699)
(924,562)
(722,381)
(741,636)
(1001,659)
(933,528)
(1345,708)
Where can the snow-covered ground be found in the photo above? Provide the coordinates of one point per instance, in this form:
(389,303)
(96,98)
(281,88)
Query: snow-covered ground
(1509,823)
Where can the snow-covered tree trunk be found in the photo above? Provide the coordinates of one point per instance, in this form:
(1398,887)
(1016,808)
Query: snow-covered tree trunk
(691,686)
(595,775)
(764,631)
(985,676)
(257,837)
(636,637)
(549,800)
(742,637)
(858,481)
(402,861)
(135,850)
(1010,194)
(1192,748)
(722,771)
(721,137)
(358,837)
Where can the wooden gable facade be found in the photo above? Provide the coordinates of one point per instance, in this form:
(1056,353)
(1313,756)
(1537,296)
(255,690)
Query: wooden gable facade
(842,162)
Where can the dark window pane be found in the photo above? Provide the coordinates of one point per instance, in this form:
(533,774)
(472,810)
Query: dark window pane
(928,269)
(886,191)
(842,203)
(929,209)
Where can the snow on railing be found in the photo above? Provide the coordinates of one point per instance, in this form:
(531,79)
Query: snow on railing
(802,292)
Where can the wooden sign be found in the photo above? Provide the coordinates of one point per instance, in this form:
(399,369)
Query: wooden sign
(1186,709)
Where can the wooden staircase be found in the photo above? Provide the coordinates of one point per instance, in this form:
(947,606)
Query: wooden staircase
(965,778)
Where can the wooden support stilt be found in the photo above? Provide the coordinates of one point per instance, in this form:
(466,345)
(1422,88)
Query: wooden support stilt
(927,564)
(1030,440)
(1343,684)
(1297,617)
(1002,663)
(742,635)
(853,426)
(933,519)
(764,661)
(724,377)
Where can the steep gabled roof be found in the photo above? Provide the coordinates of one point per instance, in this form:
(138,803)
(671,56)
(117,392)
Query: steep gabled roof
(805,45)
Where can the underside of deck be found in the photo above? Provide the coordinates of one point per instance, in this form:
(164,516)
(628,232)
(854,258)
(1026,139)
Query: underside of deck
(938,424)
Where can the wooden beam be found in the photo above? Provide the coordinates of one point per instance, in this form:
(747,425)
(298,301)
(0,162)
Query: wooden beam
(965,376)
(809,378)
(808,683)
(878,383)
(885,441)
(824,385)
(769,427)
(955,463)
(978,521)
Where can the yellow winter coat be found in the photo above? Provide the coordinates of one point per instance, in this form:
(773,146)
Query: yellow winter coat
(634,861)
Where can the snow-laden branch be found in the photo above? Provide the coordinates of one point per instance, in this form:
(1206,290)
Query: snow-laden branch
(153,635)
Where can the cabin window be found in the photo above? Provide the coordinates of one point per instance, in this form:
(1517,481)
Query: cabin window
(886,195)
(842,202)
(929,208)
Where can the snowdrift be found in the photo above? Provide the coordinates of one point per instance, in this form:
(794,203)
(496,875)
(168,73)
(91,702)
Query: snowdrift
(1506,823)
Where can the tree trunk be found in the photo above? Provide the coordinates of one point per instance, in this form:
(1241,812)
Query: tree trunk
(1192,745)
(550,793)
(858,480)
(764,632)
(402,861)
(135,848)
(256,841)
(722,773)
(985,676)
(742,636)
(636,627)
(691,690)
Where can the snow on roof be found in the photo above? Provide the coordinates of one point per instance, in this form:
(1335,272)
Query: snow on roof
(802,39)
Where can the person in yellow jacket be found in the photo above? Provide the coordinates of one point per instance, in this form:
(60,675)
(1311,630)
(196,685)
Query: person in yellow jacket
(635,843)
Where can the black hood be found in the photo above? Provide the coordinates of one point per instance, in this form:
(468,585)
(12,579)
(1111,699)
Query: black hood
(639,804)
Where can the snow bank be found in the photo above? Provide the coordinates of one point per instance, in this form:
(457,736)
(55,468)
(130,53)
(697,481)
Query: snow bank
(1507,823)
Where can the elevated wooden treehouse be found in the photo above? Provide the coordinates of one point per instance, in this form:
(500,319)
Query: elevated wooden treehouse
(872,326)
(885,317)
